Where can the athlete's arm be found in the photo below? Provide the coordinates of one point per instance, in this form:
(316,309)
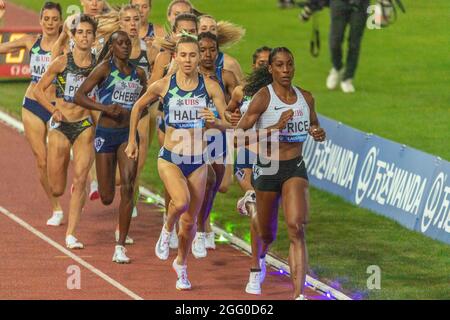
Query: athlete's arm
(161,61)
(230,82)
(50,74)
(63,39)
(151,95)
(97,76)
(257,106)
(25,42)
(232,113)
(233,65)
(216,94)
(314,129)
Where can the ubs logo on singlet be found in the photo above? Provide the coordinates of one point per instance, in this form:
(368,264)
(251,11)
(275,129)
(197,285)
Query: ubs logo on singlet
(191,102)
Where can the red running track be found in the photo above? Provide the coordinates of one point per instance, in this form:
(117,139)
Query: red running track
(31,268)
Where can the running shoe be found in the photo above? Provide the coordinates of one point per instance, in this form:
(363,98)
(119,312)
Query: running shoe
(56,219)
(73,243)
(334,78)
(93,193)
(120,255)
(210,241)
(173,242)
(301,297)
(162,246)
(135,213)
(254,283)
(198,245)
(182,281)
(128,240)
(347,86)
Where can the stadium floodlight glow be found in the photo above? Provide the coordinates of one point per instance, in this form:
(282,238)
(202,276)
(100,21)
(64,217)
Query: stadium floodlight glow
(150,200)
(222,239)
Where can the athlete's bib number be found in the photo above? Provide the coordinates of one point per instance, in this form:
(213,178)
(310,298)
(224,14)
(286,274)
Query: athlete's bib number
(296,129)
(39,64)
(126,93)
(184,112)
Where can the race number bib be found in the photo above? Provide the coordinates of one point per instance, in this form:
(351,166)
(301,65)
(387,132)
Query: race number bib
(296,129)
(39,64)
(184,112)
(126,93)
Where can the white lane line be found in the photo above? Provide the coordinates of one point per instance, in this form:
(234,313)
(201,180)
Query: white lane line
(68,253)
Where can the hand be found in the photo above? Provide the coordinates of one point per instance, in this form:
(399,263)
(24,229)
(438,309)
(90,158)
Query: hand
(57,116)
(235,117)
(208,115)
(114,111)
(149,41)
(132,150)
(317,133)
(284,118)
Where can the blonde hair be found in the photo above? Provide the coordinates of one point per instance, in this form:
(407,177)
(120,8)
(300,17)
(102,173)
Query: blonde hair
(228,33)
(109,22)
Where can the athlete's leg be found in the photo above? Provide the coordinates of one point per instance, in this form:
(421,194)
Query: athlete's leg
(58,157)
(143,131)
(128,169)
(227,179)
(176,186)
(36,134)
(83,157)
(295,207)
(196,183)
(105,164)
(211,182)
(266,221)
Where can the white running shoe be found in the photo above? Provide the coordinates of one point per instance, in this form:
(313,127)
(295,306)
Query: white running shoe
(173,242)
(198,245)
(182,282)
(56,219)
(93,192)
(334,77)
(120,255)
(301,297)
(73,243)
(162,246)
(254,283)
(135,213)
(249,197)
(262,265)
(347,86)
(128,240)
(210,240)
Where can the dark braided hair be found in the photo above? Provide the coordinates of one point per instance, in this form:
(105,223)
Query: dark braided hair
(261,77)
(210,36)
(106,52)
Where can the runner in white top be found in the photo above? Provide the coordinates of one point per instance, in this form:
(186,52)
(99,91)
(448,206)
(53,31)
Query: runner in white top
(282,108)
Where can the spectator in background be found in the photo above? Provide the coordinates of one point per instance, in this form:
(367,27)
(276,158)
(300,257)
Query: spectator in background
(343,13)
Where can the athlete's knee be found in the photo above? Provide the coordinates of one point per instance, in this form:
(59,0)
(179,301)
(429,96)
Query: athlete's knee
(187,223)
(57,190)
(267,236)
(41,163)
(79,182)
(296,230)
(127,189)
(180,204)
(107,198)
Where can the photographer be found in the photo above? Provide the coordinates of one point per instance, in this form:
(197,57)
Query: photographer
(343,13)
